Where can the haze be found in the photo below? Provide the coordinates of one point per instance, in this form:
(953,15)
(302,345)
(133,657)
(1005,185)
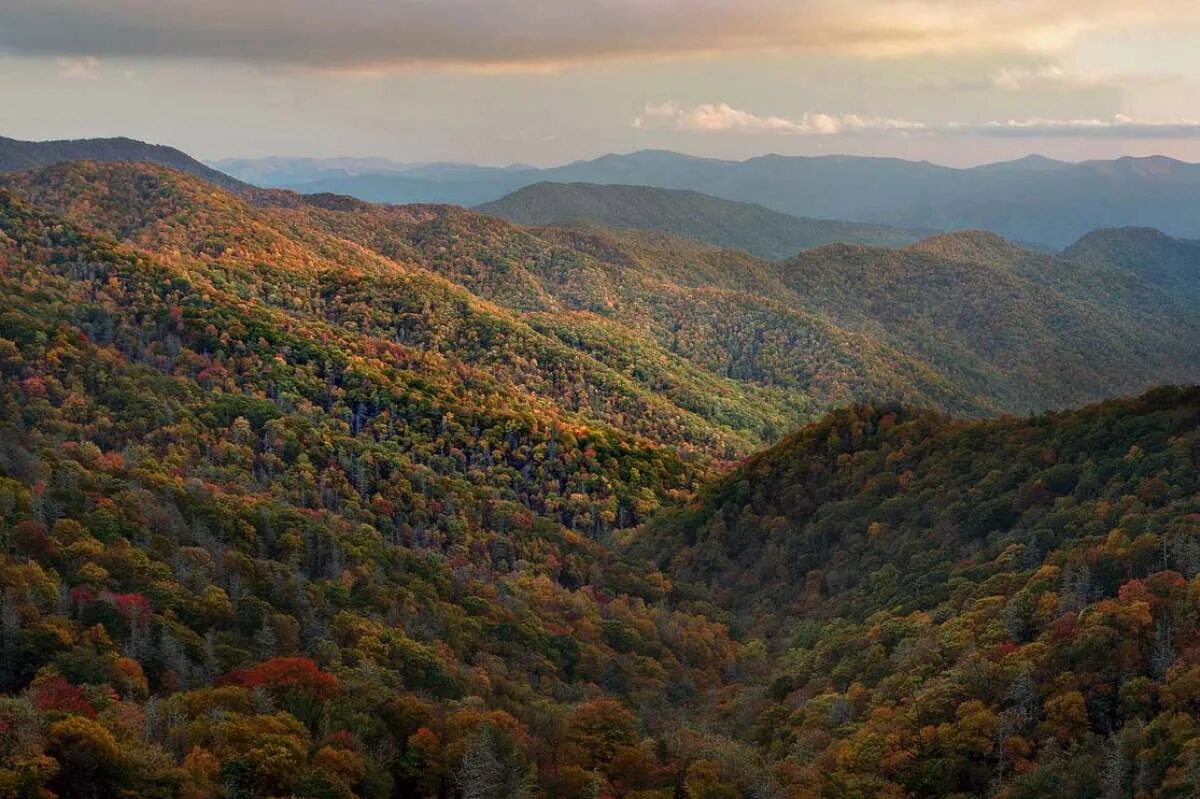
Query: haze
(544,82)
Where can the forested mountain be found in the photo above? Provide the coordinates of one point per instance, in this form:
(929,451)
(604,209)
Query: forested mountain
(1170,264)
(262,538)
(992,315)
(1039,200)
(731,348)
(964,322)
(740,226)
(18,155)
(303,496)
(1002,608)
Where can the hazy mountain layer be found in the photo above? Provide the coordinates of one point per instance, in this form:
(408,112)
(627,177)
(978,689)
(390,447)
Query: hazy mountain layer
(1035,200)
(740,226)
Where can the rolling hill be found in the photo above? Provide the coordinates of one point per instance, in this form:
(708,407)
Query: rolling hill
(966,332)
(991,315)
(740,226)
(1171,264)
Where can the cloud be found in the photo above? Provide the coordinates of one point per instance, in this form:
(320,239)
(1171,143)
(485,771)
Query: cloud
(82,68)
(1048,77)
(358,35)
(1043,77)
(1117,127)
(1052,77)
(723,118)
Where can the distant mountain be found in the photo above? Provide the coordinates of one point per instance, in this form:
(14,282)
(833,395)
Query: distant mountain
(274,172)
(18,155)
(291,172)
(724,223)
(1034,199)
(1173,264)
(458,186)
(1028,163)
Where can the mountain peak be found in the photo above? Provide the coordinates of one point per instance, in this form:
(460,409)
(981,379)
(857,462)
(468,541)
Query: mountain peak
(1130,233)
(1145,250)
(16,156)
(1149,166)
(966,245)
(1034,162)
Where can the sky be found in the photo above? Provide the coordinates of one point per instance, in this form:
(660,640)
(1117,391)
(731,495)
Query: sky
(548,81)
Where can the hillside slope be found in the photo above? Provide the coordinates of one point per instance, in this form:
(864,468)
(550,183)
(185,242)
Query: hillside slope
(1001,608)
(741,226)
(955,325)
(992,316)
(735,349)
(257,543)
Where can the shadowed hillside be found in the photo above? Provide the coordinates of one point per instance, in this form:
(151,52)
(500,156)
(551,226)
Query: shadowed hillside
(952,608)
(18,155)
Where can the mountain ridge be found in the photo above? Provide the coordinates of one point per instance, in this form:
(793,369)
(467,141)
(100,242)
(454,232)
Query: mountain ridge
(741,226)
(822,326)
(16,155)
(1047,206)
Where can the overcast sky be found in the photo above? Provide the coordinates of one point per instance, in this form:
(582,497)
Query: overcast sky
(547,81)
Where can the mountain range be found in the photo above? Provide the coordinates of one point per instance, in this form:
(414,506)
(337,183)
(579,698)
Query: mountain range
(278,172)
(963,322)
(1034,199)
(302,495)
(738,226)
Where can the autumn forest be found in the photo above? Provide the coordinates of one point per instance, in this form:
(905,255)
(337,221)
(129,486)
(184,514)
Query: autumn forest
(307,496)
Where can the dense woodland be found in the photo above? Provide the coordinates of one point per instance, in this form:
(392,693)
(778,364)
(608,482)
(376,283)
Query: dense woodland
(1002,608)
(308,497)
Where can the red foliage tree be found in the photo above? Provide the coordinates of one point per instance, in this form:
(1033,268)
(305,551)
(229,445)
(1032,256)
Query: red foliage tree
(286,674)
(55,694)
